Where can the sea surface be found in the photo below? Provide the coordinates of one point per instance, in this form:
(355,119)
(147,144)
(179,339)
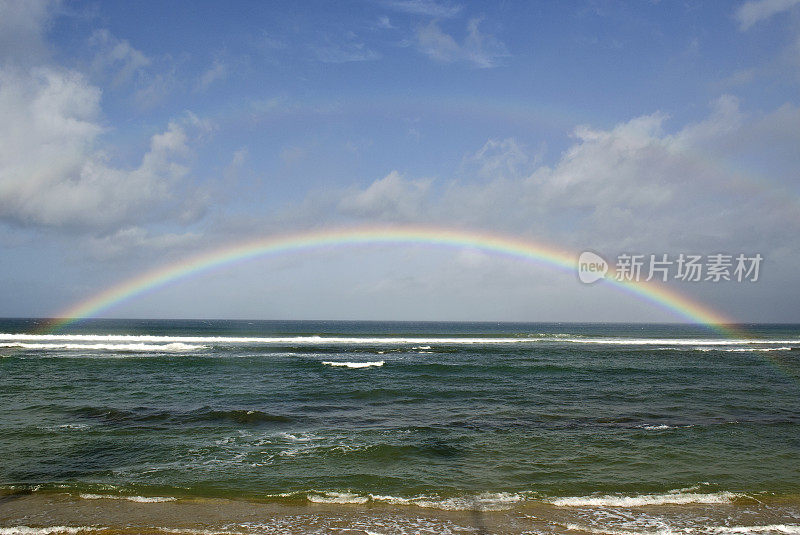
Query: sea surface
(140,426)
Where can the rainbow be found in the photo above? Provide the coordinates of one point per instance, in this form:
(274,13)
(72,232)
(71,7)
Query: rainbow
(535,252)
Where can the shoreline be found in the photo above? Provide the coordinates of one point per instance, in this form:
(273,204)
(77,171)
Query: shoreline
(64,513)
(53,513)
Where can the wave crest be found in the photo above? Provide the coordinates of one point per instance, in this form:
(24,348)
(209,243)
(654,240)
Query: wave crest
(171,347)
(354,364)
(138,499)
(670,498)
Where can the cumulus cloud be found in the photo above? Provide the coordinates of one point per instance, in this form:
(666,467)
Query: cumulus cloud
(391,197)
(632,186)
(755,11)
(504,158)
(22,25)
(57,170)
(480,49)
(53,171)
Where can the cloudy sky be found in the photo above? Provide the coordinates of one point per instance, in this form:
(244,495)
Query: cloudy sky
(136,134)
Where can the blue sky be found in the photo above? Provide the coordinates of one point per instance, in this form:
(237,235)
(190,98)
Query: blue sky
(135,134)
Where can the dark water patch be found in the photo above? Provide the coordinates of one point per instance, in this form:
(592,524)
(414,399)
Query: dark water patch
(147,415)
(376,394)
(239,416)
(393,452)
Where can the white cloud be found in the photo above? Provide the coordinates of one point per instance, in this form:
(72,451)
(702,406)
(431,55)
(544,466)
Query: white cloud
(55,170)
(755,11)
(128,240)
(267,42)
(239,157)
(391,197)
(431,40)
(632,186)
(427,8)
(739,77)
(52,170)
(154,89)
(22,24)
(500,159)
(267,106)
(117,57)
(119,65)
(217,71)
(480,49)
(344,52)
(233,170)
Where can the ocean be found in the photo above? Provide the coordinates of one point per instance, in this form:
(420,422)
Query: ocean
(238,427)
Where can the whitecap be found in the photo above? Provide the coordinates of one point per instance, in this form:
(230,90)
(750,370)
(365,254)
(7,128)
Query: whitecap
(138,499)
(670,498)
(354,364)
(170,347)
(790,529)
(489,501)
(336,497)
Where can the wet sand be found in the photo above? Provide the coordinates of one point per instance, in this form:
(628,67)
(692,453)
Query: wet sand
(55,513)
(209,516)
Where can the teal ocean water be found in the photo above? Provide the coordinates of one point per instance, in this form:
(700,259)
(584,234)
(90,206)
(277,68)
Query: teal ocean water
(595,419)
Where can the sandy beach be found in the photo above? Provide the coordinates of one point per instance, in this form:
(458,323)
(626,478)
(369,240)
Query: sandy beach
(56,513)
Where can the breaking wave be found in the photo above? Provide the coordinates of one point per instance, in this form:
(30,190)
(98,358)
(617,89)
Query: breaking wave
(489,501)
(138,499)
(172,347)
(354,364)
(670,498)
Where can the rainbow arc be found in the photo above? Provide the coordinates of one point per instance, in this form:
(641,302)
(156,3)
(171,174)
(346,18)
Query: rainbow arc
(538,253)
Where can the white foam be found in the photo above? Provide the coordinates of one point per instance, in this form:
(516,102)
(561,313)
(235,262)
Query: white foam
(354,364)
(677,341)
(170,347)
(298,340)
(662,427)
(739,350)
(336,497)
(490,501)
(25,530)
(414,342)
(138,499)
(671,498)
(608,531)
(743,349)
(303,437)
(790,529)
